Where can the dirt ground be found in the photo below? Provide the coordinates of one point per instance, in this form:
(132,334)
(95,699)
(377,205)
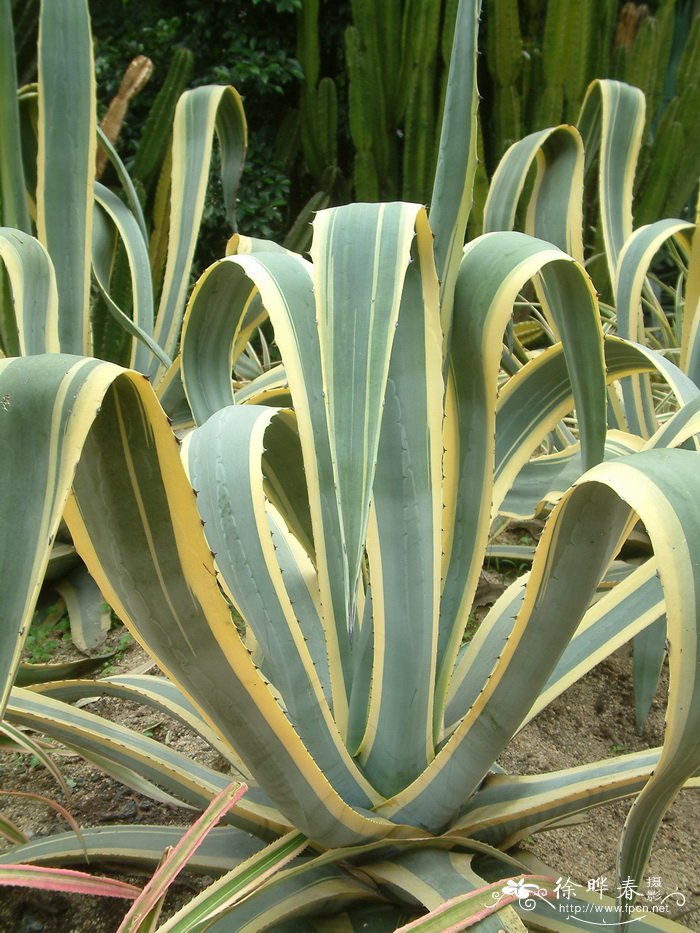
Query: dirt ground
(592,720)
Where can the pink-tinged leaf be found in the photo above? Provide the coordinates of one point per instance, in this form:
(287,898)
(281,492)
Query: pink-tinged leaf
(237,884)
(34,748)
(64,880)
(10,831)
(462,912)
(177,858)
(149,923)
(56,806)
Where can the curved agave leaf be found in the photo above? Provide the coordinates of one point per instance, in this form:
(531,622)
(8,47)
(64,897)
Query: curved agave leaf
(34,294)
(33,674)
(141,844)
(507,808)
(217,899)
(177,858)
(493,271)
(539,393)
(611,123)
(130,471)
(286,288)
(674,527)
(658,486)
(555,206)
(224,310)
(127,184)
(634,261)
(436,878)
(225,455)
(269,388)
(545,479)
(94,737)
(158,693)
(63,879)
(300,890)
(690,334)
(198,114)
(90,617)
(140,326)
(572,555)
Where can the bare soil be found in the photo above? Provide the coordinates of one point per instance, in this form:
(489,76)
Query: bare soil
(593,720)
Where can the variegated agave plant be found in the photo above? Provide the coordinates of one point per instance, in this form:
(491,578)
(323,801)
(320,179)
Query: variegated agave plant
(348,531)
(87,235)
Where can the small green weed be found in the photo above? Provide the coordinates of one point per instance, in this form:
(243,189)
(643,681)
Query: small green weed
(124,642)
(471,628)
(45,638)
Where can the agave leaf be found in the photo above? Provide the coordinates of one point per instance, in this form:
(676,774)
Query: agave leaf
(229,447)
(122,751)
(66,161)
(222,313)
(633,605)
(404,540)
(507,808)
(555,206)
(156,692)
(89,615)
(141,845)
(217,899)
(672,524)
(12,833)
(25,558)
(356,348)
(323,889)
(28,744)
(198,114)
(33,284)
(451,199)
(65,880)
(466,910)
(634,261)
(545,479)
(127,184)
(543,627)
(493,271)
(286,288)
(269,388)
(611,123)
(531,400)
(55,805)
(140,324)
(131,442)
(177,858)
(12,182)
(648,653)
(32,674)
(445,883)
(690,339)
